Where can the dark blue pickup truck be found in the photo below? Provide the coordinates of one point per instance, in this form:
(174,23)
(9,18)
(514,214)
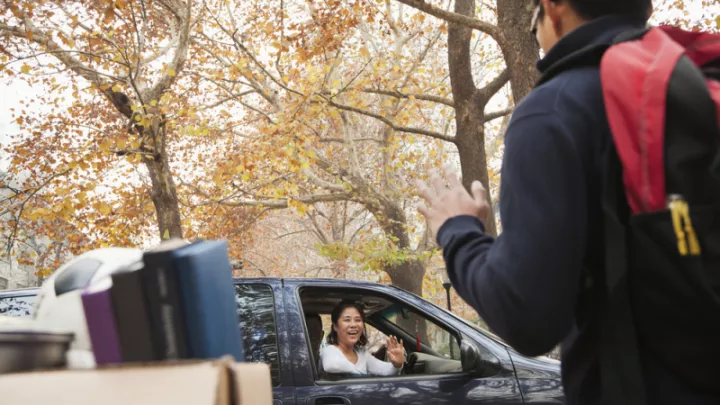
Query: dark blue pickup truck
(457,362)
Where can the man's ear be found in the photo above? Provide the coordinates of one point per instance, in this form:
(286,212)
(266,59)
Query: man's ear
(558,13)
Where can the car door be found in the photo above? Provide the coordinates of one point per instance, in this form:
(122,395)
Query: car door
(261,314)
(432,388)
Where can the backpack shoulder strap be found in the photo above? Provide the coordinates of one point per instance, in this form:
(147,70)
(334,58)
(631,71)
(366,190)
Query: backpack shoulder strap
(618,356)
(634,76)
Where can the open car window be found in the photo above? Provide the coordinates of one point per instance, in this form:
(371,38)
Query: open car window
(428,336)
(430,346)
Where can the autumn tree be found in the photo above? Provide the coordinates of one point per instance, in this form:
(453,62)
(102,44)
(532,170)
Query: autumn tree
(511,32)
(507,23)
(104,144)
(344,102)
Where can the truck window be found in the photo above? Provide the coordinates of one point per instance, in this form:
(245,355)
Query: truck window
(430,334)
(256,313)
(438,351)
(16,306)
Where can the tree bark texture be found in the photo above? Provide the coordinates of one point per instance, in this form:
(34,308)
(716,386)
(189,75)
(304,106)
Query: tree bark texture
(408,274)
(470,104)
(519,46)
(164,192)
(520,51)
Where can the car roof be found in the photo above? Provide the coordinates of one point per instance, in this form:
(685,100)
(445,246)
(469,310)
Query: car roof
(294,280)
(326,281)
(19,292)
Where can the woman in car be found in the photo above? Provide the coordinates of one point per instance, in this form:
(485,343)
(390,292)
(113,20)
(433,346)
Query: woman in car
(346,352)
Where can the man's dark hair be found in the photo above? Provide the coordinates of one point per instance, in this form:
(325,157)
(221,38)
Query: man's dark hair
(335,316)
(591,9)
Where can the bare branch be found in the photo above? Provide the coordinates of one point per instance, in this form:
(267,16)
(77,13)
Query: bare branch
(163,51)
(271,203)
(322,183)
(350,143)
(495,85)
(283,202)
(64,56)
(178,60)
(427,242)
(237,97)
(391,124)
(318,229)
(341,140)
(421,58)
(449,16)
(497,114)
(424,97)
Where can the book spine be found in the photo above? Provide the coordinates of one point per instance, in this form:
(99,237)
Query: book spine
(102,328)
(131,313)
(208,294)
(165,307)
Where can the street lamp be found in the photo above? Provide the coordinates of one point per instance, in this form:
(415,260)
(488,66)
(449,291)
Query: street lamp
(446,284)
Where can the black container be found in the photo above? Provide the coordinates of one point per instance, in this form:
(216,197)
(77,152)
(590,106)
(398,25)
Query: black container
(32,350)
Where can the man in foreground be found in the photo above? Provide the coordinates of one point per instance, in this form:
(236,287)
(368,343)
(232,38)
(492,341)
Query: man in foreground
(540,282)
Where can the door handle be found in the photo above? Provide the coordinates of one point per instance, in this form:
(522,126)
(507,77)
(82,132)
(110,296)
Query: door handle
(329,400)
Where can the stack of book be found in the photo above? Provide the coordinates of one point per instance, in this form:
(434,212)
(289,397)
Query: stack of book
(179,303)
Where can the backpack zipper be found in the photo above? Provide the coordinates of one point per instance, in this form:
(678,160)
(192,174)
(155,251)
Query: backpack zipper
(680,213)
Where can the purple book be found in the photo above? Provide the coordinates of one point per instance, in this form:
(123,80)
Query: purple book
(101,324)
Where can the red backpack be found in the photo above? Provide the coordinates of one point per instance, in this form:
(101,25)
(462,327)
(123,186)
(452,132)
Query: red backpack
(661,201)
(661,209)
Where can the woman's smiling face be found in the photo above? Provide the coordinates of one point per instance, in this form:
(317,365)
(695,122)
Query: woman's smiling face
(349,327)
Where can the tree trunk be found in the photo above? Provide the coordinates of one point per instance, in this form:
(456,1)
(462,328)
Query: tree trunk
(469,108)
(408,276)
(473,157)
(519,47)
(164,196)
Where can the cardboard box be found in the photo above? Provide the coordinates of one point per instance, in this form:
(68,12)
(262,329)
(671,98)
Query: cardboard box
(218,382)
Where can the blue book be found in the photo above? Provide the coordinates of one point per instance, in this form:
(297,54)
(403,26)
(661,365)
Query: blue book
(207,293)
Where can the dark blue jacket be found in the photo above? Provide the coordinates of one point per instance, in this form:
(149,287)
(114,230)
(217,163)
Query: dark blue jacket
(528,284)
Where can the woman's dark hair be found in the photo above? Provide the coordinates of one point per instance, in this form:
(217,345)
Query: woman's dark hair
(591,9)
(335,317)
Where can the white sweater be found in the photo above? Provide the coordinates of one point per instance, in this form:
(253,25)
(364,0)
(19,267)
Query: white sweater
(334,361)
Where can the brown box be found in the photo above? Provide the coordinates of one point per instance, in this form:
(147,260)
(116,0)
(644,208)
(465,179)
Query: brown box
(217,382)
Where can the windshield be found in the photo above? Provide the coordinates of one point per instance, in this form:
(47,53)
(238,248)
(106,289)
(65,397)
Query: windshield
(16,306)
(465,321)
(472,325)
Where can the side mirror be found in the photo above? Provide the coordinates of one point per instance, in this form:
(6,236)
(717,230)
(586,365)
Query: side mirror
(479,362)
